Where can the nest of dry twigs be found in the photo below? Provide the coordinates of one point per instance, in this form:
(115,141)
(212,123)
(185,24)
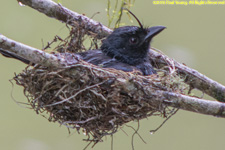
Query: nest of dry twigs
(96,100)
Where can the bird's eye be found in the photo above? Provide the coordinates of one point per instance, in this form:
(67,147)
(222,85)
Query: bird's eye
(133,40)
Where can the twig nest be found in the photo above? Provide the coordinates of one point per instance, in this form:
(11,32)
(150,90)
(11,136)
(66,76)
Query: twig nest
(97,100)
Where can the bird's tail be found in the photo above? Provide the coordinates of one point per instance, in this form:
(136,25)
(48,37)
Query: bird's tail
(12,55)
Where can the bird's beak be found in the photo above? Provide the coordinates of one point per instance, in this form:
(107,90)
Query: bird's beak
(153,31)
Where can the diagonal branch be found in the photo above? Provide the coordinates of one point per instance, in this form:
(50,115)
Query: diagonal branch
(54,10)
(29,53)
(193,104)
(193,77)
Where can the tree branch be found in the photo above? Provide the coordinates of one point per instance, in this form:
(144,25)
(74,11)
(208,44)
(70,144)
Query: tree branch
(57,11)
(193,77)
(177,100)
(32,54)
(194,104)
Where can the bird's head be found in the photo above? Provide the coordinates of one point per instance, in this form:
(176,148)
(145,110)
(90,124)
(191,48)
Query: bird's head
(130,44)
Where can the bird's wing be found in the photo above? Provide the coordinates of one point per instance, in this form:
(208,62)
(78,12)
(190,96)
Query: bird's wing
(146,68)
(97,57)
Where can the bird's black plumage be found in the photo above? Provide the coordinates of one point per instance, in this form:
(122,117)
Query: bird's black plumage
(126,48)
(130,45)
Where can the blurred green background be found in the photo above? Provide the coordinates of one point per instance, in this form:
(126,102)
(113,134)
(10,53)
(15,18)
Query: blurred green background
(195,35)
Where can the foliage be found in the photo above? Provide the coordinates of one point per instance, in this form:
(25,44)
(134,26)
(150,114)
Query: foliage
(115,13)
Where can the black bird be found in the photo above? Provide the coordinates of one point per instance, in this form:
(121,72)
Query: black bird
(126,48)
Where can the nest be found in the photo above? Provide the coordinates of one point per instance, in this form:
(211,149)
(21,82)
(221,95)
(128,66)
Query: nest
(94,99)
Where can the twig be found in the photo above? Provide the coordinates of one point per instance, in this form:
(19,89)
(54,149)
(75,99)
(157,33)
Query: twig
(155,130)
(73,96)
